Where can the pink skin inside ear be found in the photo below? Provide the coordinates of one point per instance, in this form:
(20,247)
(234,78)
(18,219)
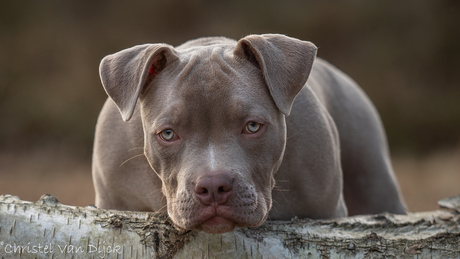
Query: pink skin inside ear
(152,70)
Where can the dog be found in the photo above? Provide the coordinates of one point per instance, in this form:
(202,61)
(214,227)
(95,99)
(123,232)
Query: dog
(227,134)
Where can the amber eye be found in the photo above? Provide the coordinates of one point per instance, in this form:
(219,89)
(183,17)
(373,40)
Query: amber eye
(167,135)
(253,127)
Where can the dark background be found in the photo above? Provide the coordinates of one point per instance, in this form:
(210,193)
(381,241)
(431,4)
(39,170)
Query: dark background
(404,54)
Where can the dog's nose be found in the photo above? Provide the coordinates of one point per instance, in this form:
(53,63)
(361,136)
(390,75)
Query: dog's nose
(214,188)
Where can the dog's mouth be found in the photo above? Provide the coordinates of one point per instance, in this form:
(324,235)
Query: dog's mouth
(217,225)
(244,208)
(217,220)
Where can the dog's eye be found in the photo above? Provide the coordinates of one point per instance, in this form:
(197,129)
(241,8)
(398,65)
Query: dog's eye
(252,127)
(167,135)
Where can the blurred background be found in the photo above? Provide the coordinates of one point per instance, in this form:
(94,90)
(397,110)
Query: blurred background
(404,54)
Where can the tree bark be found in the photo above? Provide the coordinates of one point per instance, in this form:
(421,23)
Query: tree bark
(47,229)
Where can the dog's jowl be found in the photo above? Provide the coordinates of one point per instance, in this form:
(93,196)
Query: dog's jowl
(227,134)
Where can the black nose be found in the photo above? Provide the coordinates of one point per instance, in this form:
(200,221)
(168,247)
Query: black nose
(214,188)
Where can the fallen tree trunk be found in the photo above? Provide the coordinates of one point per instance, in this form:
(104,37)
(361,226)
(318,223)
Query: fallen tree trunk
(47,229)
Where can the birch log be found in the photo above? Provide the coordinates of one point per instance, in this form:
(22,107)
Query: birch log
(47,229)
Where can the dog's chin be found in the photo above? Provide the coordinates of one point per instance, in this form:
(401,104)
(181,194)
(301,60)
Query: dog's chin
(217,225)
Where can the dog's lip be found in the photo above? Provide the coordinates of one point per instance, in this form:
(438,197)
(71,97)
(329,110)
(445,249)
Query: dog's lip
(215,217)
(220,212)
(217,224)
(223,217)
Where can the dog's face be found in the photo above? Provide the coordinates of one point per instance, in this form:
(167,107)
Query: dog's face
(211,115)
(214,125)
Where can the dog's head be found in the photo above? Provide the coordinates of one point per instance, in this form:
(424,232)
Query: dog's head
(213,117)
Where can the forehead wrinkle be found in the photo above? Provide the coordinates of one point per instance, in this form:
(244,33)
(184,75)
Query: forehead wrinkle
(209,81)
(222,91)
(188,68)
(206,77)
(205,65)
(243,109)
(225,59)
(248,100)
(173,116)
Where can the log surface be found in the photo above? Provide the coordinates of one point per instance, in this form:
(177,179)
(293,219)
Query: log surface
(47,229)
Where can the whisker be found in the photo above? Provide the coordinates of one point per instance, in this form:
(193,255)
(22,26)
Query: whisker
(134,148)
(277,203)
(279,189)
(162,208)
(131,158)
(293,135)
(150,193)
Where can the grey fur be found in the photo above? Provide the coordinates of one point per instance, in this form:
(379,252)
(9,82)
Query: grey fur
(316,123)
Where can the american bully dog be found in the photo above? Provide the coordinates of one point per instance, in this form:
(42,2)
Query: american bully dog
(228,133)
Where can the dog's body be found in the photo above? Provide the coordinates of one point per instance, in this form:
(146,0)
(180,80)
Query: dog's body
(212,134)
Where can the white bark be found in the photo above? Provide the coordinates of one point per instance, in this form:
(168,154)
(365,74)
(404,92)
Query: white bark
(47,229)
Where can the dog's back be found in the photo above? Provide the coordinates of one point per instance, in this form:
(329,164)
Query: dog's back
(369,182)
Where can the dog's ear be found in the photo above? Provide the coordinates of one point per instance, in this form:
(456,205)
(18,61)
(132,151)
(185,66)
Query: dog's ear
(285,63)
(125,73)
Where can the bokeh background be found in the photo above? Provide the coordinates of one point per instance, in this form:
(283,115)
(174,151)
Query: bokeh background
(404,54)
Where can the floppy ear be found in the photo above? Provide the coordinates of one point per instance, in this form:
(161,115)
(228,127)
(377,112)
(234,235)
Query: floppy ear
(285,63)
(125,73)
